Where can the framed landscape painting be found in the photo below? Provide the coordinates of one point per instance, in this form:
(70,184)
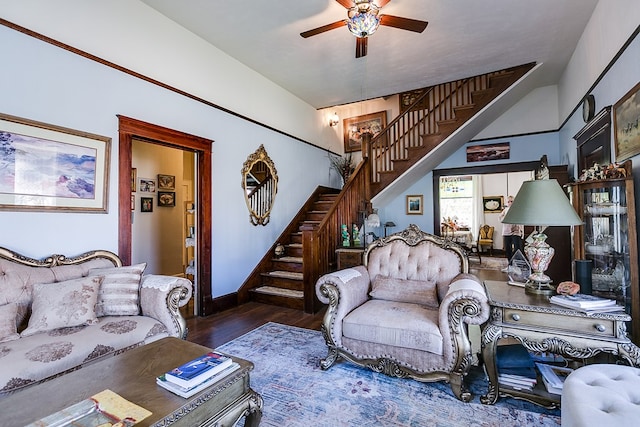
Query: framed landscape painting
(626,121)
(414,205)
(51,168)
(354,127)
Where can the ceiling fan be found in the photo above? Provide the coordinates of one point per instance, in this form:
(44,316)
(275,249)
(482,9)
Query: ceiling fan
(364,19)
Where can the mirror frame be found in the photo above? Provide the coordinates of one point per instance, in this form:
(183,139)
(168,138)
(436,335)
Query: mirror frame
(260,155)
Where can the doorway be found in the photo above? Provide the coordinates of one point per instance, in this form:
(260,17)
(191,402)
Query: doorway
(130,129)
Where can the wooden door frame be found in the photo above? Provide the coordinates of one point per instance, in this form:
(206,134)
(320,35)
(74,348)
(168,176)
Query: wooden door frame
(131,128)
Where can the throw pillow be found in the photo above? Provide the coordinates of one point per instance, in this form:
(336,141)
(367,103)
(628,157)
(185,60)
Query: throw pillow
(120,291)
(403,290)
(63,304)
(8,313)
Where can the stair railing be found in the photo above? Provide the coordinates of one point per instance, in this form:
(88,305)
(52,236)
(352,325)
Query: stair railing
(319,243)
(422,112)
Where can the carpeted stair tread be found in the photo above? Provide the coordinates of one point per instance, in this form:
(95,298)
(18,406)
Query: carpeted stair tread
(290,259)
(271,290)
(285,274)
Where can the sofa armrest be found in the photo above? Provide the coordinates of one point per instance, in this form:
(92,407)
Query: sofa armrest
(343,290)
(466,303)
(161,298)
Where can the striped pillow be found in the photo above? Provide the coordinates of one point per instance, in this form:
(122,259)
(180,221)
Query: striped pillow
(120,291)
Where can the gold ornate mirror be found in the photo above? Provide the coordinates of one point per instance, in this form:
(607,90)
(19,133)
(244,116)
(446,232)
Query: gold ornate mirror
(260,185)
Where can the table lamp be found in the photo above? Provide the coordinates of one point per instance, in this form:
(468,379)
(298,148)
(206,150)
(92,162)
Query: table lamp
(541,203)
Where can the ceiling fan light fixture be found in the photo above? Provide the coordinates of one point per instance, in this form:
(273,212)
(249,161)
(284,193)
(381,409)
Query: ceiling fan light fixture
(363,19)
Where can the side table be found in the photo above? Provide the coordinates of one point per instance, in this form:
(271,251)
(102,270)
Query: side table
(349,257)
(544,327)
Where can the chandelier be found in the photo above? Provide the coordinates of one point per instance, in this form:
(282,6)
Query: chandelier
(363,18)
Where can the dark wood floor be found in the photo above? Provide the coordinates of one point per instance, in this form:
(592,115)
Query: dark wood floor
(217,329)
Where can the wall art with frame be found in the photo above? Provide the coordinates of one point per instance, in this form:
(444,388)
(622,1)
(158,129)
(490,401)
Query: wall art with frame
(626,121)
(415,205)
(166,182)
(166,198)
(146,204)
(493,204)
(354,127)
(51,168)
(147,185)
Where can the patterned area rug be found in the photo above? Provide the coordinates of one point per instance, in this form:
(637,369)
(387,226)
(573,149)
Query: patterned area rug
(298,393)
(488,263)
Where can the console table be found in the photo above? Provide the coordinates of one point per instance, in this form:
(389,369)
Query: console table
(544,327)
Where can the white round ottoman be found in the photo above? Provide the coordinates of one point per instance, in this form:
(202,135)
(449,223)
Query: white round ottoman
(601,395)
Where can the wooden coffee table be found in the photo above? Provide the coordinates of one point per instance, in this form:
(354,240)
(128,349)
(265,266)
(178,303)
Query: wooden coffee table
(132,375)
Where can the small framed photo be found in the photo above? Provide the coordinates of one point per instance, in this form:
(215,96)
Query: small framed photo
(414,205)
(147,185)
(133,202)
(166,182)
(166,198)
(146,204)
(134,179)
(493,204)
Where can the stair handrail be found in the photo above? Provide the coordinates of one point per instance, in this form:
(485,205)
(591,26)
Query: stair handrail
(319,242)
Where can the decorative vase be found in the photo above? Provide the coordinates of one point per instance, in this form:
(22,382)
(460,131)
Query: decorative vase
(279,250)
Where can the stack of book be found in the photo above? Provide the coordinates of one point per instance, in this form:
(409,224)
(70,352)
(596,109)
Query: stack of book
(553,377)
(197,374)
(516,368)
(587,303)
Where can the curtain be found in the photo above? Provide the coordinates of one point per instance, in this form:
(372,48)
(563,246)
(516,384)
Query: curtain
(478,212)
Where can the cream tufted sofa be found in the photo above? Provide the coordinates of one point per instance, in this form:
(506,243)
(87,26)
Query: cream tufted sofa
(33,349)
(601,395)
(405,312)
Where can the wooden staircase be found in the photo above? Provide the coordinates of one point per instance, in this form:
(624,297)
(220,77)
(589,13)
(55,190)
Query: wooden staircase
(282,278)
(428,117)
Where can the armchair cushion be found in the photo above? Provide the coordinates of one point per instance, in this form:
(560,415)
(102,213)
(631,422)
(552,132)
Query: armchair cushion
(404,290)
(120,291)
(400,324)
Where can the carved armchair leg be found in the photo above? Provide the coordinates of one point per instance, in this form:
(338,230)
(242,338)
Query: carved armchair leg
(332,357)
(459,388)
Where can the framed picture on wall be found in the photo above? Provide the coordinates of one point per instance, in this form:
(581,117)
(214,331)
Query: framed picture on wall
(134,179)
(493,204)
(483,153)
(626,113)
(166,198)
(147,185)
(146,204)
(414,205)
(51,168)
(166,182)
(354,127)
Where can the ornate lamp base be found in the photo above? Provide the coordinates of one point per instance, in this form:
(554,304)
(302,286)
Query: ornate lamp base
(539,288)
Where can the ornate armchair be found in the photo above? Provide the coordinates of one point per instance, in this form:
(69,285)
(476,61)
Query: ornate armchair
(405,312)
(485,238)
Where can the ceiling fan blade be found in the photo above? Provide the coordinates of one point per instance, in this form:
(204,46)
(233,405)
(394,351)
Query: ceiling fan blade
(324,28)
(382,3)
(403,23)
(346,3)
(361,47)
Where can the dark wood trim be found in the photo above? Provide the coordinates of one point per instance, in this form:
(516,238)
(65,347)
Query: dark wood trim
(131,128)
(148,79)
(515,135)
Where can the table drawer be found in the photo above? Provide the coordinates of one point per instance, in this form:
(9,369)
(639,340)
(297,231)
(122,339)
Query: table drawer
(575,325)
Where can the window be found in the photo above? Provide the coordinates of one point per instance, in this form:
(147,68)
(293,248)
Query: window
(456,200)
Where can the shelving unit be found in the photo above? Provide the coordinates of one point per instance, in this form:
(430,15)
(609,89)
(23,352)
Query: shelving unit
(608,238)
(190,241)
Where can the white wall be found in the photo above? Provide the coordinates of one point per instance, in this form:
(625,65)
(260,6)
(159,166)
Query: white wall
(155,46)
(45,83)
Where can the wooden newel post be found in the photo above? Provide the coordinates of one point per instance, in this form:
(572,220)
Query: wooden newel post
(366,157)
(310,266)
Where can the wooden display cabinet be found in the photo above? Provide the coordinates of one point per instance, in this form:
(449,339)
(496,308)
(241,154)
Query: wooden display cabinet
(608,238)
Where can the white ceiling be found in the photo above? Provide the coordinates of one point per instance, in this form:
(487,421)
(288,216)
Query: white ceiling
(463,38)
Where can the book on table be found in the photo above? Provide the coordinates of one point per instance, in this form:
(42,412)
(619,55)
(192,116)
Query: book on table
(581,301)
(515,366)
(587,303)
(188,392)
(553,376)
(198,370)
